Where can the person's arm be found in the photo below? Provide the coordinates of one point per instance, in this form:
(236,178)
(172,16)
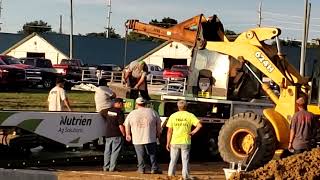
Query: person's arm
(158,125)
(65,100)
(121,126)
(292,131)
(195,130)
(110,93)
(122,130)
(169,136)
(169,131)
(67,104)
(127,128)
(141,80)
(195,122)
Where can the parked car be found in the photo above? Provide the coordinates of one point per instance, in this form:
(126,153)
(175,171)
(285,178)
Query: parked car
(176,72)
(11,76)
(33,75)
(107,70)
(44,66)
(155,72)
(71,69)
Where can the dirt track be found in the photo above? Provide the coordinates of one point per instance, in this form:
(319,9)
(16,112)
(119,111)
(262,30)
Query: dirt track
(203,171)
(300,166)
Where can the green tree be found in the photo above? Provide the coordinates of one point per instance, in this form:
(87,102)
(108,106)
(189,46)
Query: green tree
(35,26)
(229,32)
(166,22)
(112,34)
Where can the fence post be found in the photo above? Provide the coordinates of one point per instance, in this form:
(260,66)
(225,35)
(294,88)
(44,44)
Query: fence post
(111,79)
(151,80)
(82,75)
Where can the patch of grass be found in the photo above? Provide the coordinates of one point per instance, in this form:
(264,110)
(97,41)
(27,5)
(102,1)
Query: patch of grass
(37,100)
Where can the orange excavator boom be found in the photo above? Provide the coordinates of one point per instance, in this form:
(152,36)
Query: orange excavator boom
(189,32)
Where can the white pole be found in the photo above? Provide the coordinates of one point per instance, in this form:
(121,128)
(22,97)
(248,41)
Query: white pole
(260,14)
(304,38)
(108,18)
(71,31)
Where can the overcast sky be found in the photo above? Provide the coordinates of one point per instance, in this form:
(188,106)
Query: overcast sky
(90,15)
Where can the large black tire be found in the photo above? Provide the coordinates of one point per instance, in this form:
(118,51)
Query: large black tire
(242,126)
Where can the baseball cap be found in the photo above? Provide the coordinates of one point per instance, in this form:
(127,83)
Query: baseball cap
(182,103)
(300,101)
(140,100)
(119,100)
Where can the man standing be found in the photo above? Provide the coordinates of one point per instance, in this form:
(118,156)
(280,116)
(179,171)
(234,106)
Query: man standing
(302,129)
(145,126)
(179,138)
(115,132)
(136,77)
(103,98)
(57,98)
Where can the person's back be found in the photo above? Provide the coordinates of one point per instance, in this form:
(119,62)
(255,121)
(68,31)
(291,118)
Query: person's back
(179,138)
(181,123)
(303,124)
(143,123)
(56,98)
(102,96)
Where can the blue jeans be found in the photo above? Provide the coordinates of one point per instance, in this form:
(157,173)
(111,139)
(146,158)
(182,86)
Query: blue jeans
(111,152)
(150,149)
(174,156)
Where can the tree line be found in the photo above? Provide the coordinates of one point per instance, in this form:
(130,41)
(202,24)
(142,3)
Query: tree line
(41,26)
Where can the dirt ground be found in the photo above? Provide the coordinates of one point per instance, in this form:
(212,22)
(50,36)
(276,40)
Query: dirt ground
(300,166)
(205,171)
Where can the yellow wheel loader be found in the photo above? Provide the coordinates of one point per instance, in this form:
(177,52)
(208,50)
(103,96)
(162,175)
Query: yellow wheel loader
(245,132)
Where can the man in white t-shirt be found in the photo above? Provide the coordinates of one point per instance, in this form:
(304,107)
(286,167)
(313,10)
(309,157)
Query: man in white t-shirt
(103,98)
(57,99)
(143,127)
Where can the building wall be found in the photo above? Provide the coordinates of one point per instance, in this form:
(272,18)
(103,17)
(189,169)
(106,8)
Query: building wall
(173,50)
(38,45)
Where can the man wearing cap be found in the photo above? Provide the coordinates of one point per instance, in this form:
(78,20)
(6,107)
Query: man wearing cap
(57,99)
(303,129)
(136,76)
(179,138)
(115,132)
(143,127)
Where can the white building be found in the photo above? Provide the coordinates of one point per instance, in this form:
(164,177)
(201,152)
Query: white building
(36,46)
(168,54)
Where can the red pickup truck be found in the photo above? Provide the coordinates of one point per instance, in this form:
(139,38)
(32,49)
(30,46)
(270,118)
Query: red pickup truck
(70,69)
(11,76)
(176,72)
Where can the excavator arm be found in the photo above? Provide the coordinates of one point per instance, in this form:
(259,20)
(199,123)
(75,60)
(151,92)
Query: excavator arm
(188,32)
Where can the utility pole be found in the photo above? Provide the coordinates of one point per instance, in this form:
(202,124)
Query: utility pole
(304,41)
(260,14)
(0,14)
(60,24)
(71,31)
(108,19)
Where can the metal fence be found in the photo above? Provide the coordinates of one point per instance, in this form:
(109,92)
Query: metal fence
(93,77)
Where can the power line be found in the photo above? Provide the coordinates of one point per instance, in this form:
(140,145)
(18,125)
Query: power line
(287,15)
(288,22)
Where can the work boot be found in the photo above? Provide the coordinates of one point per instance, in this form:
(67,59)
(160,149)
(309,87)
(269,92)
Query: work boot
(156,171)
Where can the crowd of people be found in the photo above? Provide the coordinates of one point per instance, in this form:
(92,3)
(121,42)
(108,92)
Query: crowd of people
(143,128)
